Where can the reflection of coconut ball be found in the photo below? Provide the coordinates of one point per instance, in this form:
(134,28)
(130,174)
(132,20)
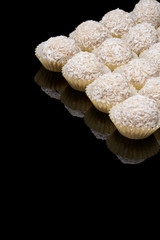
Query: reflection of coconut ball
(50,80)
(147,11)
(98,135)
(51,93)
(131,151)
(126,160)
(75,101)
(113,52)
(89,34)
(75,113)
(117,22)
(99,122)
(141,37)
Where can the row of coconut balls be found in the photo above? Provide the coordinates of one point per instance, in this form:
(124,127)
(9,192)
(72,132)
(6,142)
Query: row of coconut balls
(82,66)
(139,30)
(112,70)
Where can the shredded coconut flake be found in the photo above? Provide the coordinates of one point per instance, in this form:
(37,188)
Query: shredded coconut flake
(117,22)
(137,111)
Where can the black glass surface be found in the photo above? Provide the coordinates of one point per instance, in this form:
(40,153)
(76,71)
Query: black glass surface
(96,127)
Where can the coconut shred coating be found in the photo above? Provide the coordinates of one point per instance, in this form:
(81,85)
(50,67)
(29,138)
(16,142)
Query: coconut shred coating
(113,52)
(117,22)
(158,30)
(89,34)
(147,11)
(152,90)
(137,71)
(55,52)
(152,54)
(141,37)
(136,112)
(82,69)
(59,49)
(108,90)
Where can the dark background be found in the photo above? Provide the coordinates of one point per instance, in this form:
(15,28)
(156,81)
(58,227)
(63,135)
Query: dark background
(58,143)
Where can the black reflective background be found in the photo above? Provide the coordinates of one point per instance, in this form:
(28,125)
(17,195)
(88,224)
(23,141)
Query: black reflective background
(67,134)
(84,130)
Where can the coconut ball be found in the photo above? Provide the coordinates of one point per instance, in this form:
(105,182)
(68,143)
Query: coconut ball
(113,52)
(141,37)
(55,52)
(152,54)
(117,22)
(137,111)
(137,117)
(147,11)
(82,69)
(89,34)
(108,90)
(152,90)
(137,71)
